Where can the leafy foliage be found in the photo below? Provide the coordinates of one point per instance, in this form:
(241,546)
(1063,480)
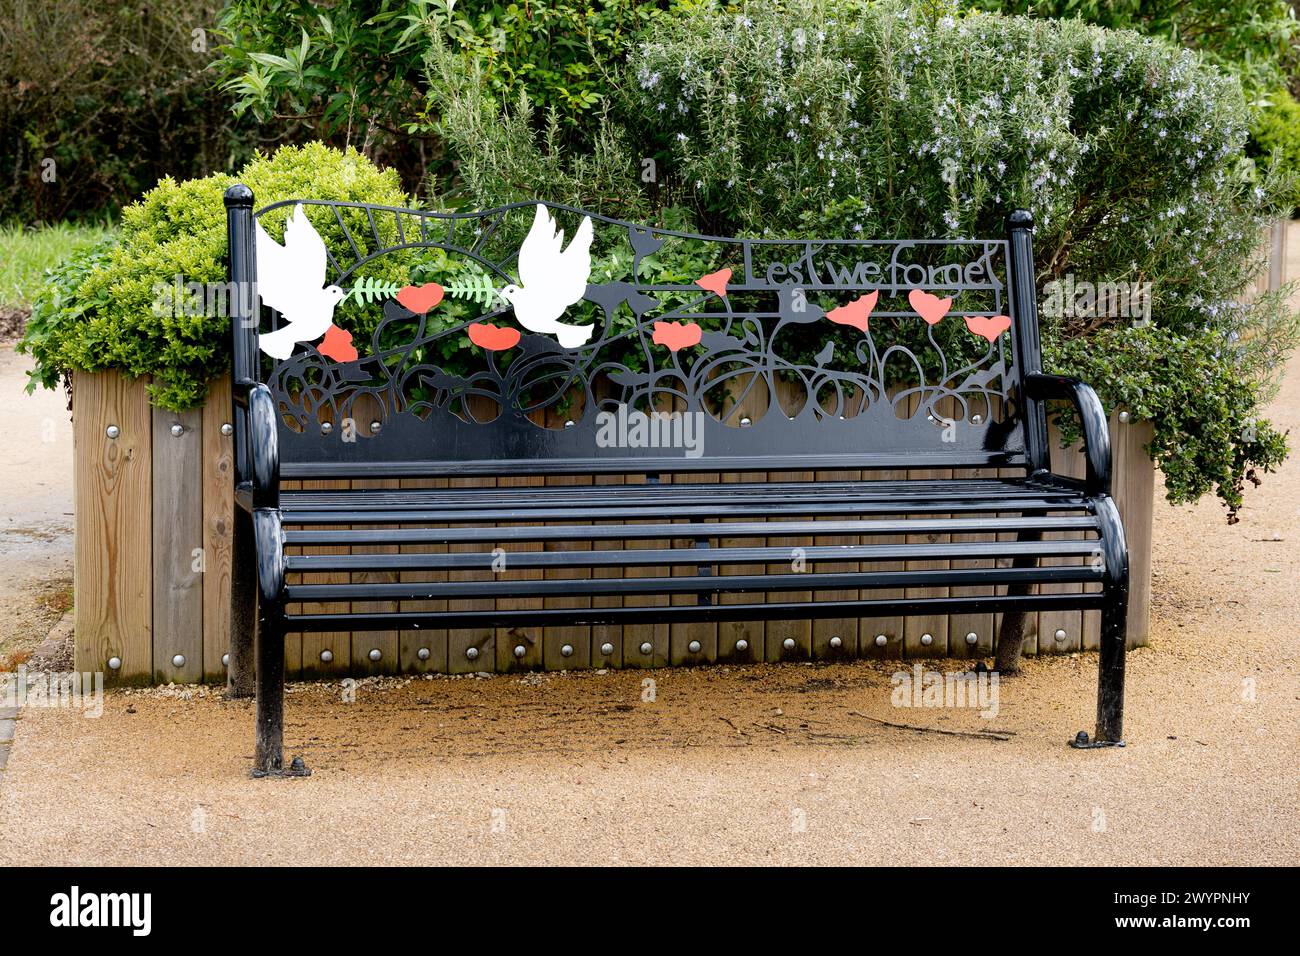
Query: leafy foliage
(98,100)
(827,117)
(99,309)
(1276,135)
(353,73)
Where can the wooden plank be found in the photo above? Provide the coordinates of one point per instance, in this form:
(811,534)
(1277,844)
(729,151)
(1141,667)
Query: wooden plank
(646,645)
(681,636)
(751,408)
(916,628)
(112,489)
(824,631)
(1069,462)
(431,641)
(576,639)
(607,635)
(790,399)
(1277,255)
(218,523)
(366,642)
(871,629)
(1134,490)
(531,639)
(482,640)
(981,625)
(318,645)
(177,546)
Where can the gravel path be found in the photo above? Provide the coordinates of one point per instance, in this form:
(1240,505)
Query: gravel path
(770,764)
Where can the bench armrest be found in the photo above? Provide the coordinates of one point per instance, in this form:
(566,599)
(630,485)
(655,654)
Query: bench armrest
(263,447)
(1096,432)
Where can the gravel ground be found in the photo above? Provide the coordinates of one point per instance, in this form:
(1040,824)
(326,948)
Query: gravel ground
(769,764)
(36,515)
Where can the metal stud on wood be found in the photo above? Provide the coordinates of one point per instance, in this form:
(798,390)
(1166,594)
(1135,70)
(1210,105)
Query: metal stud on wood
(423,654)
(566,650)
(115,663)
(227,429)
(375,654)
(836,643)
(972,638)
(471,653)
(1060,634)
(881,640)
(326,656)
(112,431)
(788,644)
(225,660)
(927,639)
(647,647)
(326,428)
(178,660)
(520,650)
(742,645)
(178,430)
(607,649)
(694,647)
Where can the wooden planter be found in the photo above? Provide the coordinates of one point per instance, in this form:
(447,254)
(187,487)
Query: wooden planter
(154,509)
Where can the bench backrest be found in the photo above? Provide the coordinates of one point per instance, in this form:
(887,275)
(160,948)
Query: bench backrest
(486,344)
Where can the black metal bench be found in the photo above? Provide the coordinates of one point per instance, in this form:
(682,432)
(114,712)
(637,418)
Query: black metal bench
(854,330)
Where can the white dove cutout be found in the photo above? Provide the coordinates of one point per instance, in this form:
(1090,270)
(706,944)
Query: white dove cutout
(290,280)
(551,280)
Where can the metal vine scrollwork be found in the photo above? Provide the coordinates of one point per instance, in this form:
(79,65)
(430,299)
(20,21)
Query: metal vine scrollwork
(766,337)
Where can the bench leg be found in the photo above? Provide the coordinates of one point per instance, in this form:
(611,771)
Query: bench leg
(1114,635)
(1110,673)
(243,607)
(268,758)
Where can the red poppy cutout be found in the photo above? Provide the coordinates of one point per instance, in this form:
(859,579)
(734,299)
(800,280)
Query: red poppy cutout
(487,336)
(715,282)
(420,298)
(677,335)
(337,345)
(857,312)
(989,326)
(929,307)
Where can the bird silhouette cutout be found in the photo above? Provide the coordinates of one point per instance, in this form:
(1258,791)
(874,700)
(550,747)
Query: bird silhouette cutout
(552,278)
(291,280)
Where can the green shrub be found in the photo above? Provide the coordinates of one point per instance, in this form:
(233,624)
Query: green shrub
(353,73)
(99,308)
(815,118)
(100,100)
(1276,135)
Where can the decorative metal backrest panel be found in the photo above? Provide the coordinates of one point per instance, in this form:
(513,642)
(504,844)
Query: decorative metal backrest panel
(486,337)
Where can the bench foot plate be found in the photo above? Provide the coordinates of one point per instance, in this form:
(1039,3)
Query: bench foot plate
(297,768)
(1082,741)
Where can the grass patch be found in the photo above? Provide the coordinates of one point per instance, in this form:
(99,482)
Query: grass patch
(26,253)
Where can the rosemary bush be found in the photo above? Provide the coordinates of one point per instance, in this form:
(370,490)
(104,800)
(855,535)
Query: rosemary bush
(817,118)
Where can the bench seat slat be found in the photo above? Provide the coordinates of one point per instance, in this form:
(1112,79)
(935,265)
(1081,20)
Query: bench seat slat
(785,611)
(920,490)
(704,584)
(803,507)
(643,557)
(739,529)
